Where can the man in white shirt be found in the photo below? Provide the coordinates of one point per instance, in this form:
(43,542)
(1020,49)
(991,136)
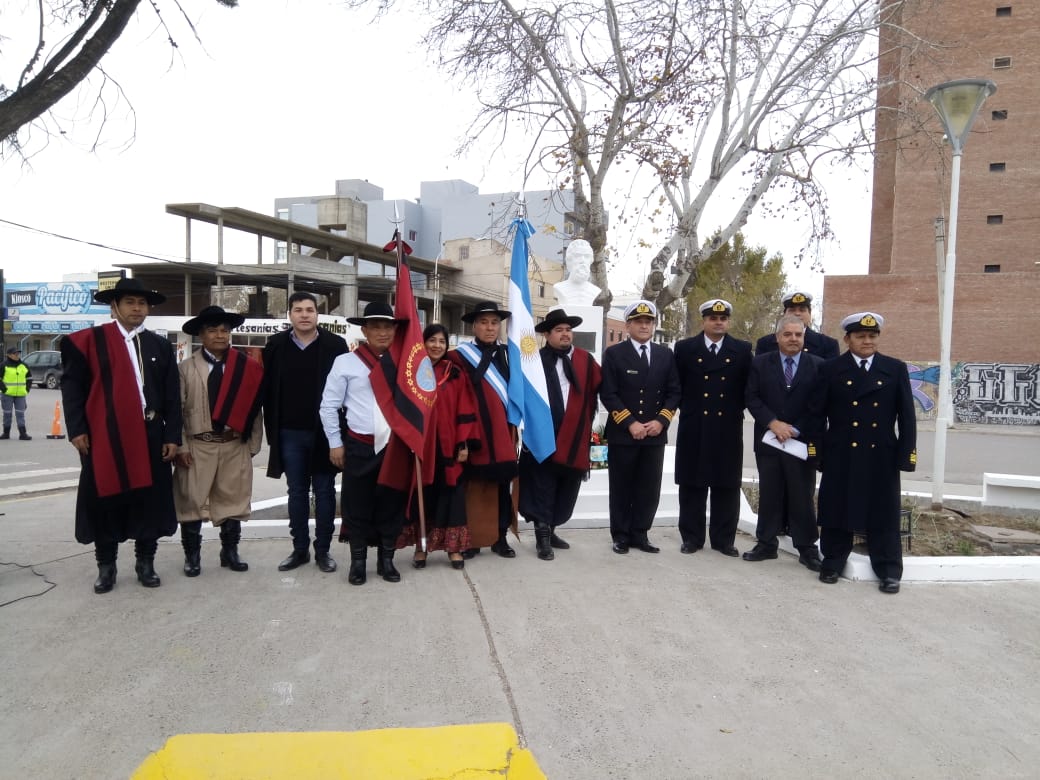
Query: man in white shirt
(373,514)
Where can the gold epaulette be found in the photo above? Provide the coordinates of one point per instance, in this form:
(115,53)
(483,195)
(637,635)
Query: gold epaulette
(619,416)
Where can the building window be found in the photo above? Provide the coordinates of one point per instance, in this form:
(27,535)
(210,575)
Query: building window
(993,268)
(1003,10)
(612,336)
(994,219)
(999,115)
(997,167)
(464,252)
(283,214)
(541,291)
(411,235)
(1001,62)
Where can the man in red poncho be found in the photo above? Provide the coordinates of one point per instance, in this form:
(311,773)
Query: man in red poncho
(121,394)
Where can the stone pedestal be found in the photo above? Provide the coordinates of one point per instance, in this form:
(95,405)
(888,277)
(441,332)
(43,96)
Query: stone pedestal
(588,335)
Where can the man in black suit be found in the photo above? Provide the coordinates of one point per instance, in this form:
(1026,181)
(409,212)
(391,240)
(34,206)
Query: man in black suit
(777,395)
(800,305)
(709,449)
(865,400)
(121,393)
(640,392)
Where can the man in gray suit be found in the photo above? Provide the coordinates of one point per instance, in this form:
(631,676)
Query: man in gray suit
(778,390)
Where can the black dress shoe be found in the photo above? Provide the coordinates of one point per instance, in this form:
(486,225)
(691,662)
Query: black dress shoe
(830,577)
(621,548)
(810,559)
(760,552)
(106,579)
(325,562)
(297,558)
(502,548)
(458,563)
(557,542)
(419,563)
(689,548)
(647,547)
(889,585)
(731,551)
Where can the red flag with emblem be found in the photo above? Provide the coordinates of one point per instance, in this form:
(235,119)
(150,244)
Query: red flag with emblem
(406,375)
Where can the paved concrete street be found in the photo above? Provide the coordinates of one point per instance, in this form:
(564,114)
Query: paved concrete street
(637,666)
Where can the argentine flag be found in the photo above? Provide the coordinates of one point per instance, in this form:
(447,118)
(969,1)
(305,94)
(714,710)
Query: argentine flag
(528,397)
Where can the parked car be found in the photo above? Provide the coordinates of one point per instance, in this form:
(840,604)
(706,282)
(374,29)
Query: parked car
(45,367)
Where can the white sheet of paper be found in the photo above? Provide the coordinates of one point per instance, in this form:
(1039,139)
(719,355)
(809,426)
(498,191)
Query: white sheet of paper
(791,446)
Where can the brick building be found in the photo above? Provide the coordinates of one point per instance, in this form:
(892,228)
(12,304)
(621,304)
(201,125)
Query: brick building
(997,298)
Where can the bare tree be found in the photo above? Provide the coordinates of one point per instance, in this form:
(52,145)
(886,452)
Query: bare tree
(583,80)
(732,104)
(785,85)
(72,38)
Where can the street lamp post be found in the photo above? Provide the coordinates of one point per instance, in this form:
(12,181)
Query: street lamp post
(957,103)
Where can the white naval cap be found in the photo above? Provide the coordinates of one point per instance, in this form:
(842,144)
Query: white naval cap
(864,320)
(640,309)
(716,306)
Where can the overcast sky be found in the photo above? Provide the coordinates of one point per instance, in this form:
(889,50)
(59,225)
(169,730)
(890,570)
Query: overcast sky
(281,99)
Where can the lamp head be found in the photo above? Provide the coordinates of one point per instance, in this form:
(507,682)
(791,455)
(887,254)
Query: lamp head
(958,103)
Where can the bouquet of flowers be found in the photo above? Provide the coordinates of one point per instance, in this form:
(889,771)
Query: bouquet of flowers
(598,449)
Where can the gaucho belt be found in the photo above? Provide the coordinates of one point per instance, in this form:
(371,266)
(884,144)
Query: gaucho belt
(213,436)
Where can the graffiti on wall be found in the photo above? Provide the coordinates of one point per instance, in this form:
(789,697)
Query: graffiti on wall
(983,393)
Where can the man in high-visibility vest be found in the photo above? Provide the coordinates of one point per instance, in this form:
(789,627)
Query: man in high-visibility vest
(14,387)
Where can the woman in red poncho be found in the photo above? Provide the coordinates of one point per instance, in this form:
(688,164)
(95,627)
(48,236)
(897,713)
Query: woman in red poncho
(450,429)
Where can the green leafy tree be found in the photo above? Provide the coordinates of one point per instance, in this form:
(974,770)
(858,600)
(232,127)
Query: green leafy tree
(743,276)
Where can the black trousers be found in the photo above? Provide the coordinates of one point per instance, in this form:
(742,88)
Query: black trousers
(785,498)
(725,511)
(372,513)
(634,476)
(884,546)
(548,491)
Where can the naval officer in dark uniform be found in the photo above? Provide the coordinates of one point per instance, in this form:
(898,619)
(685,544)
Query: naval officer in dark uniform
(870,435)
(709,448)
(800,305)
(640,392)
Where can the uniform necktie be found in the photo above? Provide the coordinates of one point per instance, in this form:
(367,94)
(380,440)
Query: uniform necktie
(714,348)
(863,364)
(645,356)
(788,370)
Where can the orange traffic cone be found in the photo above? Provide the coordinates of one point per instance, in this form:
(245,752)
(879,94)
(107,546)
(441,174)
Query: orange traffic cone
(56,423)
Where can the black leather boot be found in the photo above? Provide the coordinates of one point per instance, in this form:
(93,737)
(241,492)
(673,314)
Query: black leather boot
(191,541)
(358,562)
(501,547)
(106,578)
(23,435)
(145,569)
(386,568)
(7,432)
(230,536)
(542,544)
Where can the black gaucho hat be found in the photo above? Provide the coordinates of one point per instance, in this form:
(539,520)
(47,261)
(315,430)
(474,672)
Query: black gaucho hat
(129,287)
(557,317)
(486,307)
(212,315)
(377,310)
